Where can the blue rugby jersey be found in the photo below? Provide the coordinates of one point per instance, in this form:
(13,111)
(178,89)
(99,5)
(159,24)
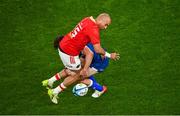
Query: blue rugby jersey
(97,62)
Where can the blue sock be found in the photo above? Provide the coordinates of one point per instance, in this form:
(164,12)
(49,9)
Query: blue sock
(95,85)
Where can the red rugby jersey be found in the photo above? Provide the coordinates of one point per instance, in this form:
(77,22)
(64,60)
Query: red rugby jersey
(86,31)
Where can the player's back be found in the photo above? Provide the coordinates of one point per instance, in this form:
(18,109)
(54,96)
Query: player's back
(76,40)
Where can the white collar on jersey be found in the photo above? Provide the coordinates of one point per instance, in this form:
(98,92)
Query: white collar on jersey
(91,17)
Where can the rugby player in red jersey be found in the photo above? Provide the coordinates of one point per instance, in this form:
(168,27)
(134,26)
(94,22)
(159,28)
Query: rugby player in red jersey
(86,31)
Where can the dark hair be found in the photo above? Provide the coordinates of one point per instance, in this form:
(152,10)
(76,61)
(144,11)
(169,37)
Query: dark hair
(57,40)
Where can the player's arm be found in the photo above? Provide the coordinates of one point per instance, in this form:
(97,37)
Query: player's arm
(88,59)
(95,40)
(98,49)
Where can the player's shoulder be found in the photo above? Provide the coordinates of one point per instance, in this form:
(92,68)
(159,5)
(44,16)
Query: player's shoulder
(90,46)
(88,21)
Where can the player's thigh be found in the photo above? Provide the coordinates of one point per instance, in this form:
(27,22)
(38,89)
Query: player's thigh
(92,71)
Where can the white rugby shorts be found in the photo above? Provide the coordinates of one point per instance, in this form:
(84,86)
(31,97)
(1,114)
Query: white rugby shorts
(70,62)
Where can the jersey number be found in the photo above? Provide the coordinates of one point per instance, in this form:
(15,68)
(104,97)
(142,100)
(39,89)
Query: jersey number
(77,29)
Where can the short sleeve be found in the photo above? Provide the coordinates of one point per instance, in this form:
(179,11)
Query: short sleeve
(94,36)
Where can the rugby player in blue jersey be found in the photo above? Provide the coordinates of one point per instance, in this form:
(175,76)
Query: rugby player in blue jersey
(99,64)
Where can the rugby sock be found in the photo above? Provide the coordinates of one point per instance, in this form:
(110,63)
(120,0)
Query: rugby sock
(54,78)
(59,88)
(94,84)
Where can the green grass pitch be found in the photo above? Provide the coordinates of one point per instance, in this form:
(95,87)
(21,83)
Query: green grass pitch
(146,80)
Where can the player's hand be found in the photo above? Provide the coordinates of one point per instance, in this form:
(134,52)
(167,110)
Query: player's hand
(84,72)
(115,56)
